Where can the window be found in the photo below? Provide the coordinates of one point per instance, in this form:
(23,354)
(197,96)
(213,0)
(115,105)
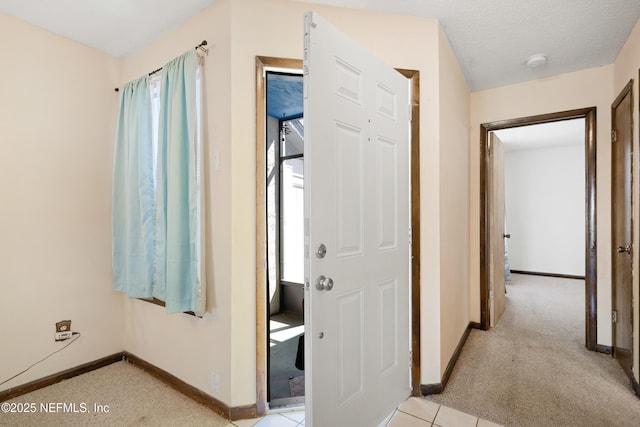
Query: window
(157,194)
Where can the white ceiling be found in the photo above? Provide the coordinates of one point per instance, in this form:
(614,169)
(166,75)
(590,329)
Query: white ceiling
(116,27)
(542,136)
(491,38)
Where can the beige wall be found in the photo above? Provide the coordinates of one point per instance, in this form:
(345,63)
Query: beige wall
(285,40)
(57,123)
(56,136)
(454,201)
(223,341)
(423,48)
(190,348)
(587,88)
(625,68)
(57,139)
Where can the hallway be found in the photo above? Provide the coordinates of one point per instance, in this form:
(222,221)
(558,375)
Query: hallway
(533,368)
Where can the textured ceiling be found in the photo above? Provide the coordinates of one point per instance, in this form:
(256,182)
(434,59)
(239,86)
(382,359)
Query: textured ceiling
(491,38)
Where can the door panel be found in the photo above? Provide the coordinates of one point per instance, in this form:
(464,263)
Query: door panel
(350,346)
(387,295)
(350,167)
(357,205)
(497,269)
(386,180)
(622,237)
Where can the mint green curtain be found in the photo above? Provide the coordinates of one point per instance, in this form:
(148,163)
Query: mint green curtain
(178,191)
(133,193)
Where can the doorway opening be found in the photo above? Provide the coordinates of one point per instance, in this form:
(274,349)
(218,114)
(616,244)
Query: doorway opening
(541,209)
(590,268)
(544,198)
(285,66)
(284,177)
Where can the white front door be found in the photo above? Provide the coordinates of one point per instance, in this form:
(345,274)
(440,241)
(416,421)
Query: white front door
(357,220)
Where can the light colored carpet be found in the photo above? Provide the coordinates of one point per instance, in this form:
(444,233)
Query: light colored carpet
(533,369)
(133,398)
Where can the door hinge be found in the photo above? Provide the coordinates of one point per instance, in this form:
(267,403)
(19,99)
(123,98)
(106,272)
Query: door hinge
(489,148)
(614,135)
(410,236)
(614,316)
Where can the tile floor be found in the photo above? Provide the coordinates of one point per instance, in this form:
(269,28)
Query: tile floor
(413,412)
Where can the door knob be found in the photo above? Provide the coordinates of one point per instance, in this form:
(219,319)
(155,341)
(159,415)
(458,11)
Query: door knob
(324,283)
(622,249)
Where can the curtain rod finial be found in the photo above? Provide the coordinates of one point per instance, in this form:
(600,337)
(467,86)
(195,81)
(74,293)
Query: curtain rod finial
(202,47)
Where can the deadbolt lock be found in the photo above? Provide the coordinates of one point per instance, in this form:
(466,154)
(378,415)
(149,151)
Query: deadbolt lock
(321,251)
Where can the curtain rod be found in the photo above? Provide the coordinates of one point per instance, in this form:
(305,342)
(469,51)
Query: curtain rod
(200,46)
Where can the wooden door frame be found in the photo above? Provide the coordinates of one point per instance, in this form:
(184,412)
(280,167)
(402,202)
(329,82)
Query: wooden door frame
(263,63)
(589,115)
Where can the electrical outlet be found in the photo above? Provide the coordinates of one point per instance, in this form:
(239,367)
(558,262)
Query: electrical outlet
(61,336)
(63,330)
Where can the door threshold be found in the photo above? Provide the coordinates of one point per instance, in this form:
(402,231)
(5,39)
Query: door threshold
(286,404)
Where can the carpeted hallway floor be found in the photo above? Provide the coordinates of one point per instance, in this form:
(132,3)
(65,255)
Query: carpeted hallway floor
(533,369)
